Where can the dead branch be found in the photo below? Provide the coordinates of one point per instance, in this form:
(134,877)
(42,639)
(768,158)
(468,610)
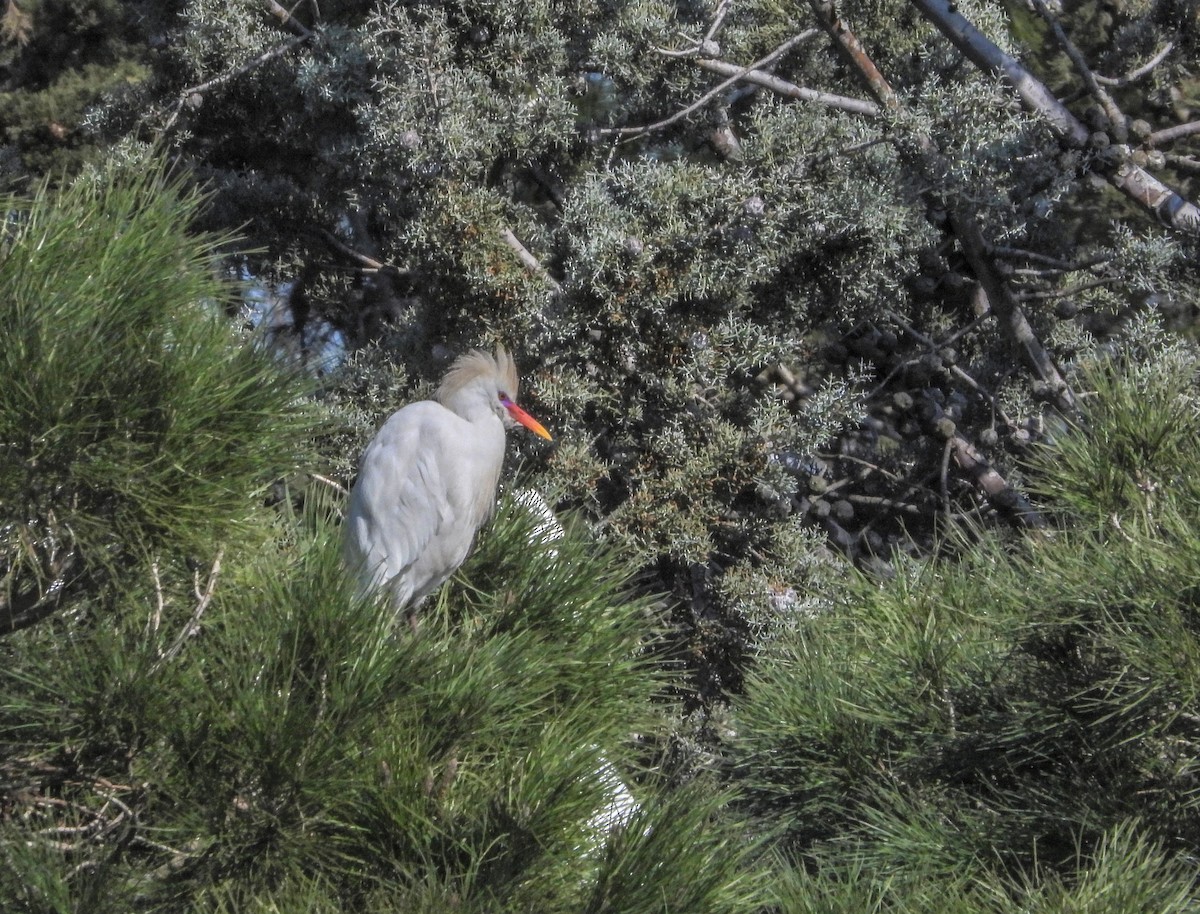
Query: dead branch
(192,94)
(531,263)
(1132,180)
(995,488)
(790,90)
(1170,134)
(1134,75)
(1116,118)
(711,93)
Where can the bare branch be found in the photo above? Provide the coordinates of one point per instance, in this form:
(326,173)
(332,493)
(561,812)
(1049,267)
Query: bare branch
(995,488)
(193,624)
(711,93)
(531,263)
(1116,118)
(723,9)
(285,17)
(1171,134)
(1135,182)
(790,90)
(190,94)
(1134,75)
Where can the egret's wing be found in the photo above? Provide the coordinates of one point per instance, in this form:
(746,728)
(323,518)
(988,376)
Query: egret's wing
(400,500)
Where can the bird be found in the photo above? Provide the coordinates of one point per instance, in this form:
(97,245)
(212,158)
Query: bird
(427,481)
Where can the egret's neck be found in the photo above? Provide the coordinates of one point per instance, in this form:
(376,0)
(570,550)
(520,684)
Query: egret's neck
(474,404)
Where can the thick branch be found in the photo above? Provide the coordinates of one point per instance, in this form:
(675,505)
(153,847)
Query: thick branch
(1133,181)
(995,488)
(993,286)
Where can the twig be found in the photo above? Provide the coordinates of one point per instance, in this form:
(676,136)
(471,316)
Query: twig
(332,483)
(1134,75)
(791,90)
(1116,118)
(531,263)
(1184,163)
(193,624)
(711,93)
(159,601)
(879,501)
(200,88)
(723,9)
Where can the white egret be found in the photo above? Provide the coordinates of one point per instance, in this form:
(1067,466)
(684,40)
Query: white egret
(427,481)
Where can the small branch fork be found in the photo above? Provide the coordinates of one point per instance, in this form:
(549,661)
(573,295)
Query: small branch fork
(301,35)
(192,626)
(738,74)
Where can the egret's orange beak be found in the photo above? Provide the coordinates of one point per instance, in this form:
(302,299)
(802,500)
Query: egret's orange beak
(525,419)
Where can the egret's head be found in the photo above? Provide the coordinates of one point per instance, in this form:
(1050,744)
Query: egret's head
(478,379)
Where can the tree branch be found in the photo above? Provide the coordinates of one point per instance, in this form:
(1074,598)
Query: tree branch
(711,93)
(193,624)
(1133,181)
(995,289)
(790,90)
(1116,118)
(302,35)
(1134,75)
(531,263)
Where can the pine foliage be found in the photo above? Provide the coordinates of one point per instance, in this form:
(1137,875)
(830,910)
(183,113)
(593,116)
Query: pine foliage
(211,722)
(1018,719)
(134,424)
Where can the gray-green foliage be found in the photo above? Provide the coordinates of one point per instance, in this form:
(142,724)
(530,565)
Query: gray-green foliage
(1021,711)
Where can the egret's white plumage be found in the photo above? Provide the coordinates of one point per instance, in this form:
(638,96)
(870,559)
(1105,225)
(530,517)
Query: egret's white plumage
(427,481)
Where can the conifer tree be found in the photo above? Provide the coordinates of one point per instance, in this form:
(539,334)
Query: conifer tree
(195,712)
(785,277)
(1013,727)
